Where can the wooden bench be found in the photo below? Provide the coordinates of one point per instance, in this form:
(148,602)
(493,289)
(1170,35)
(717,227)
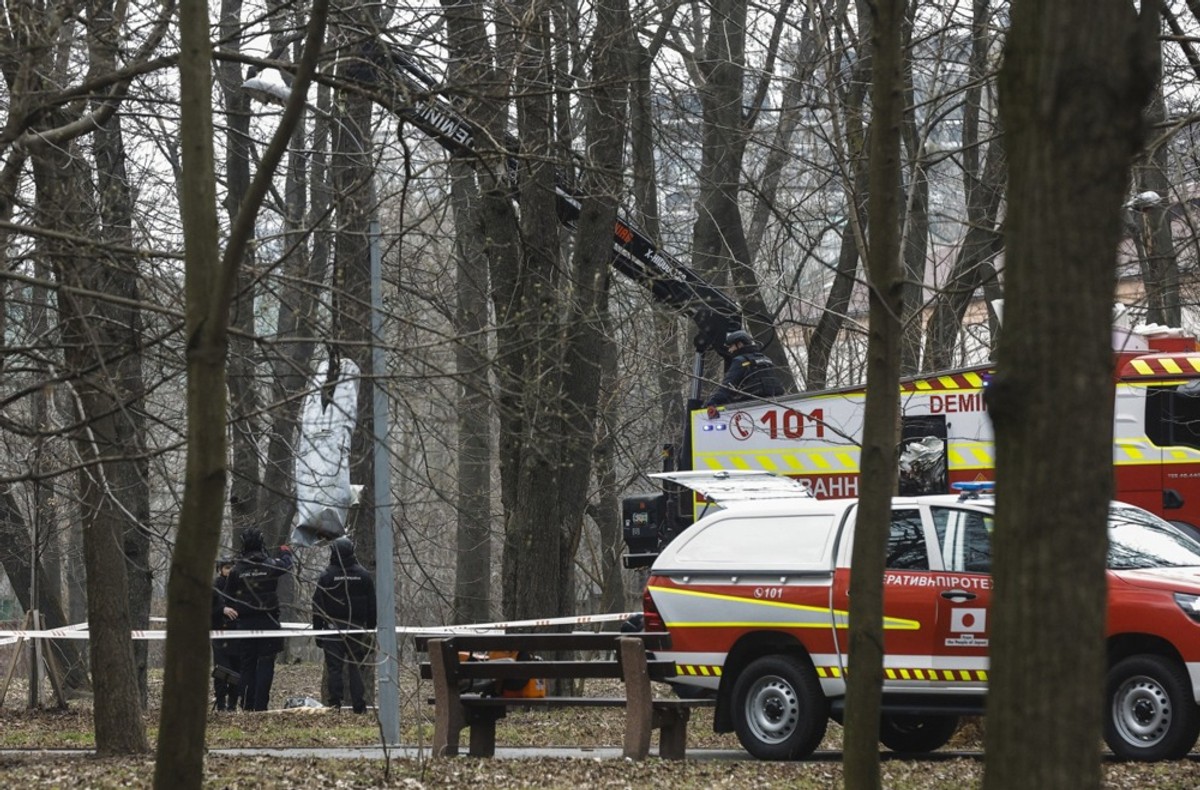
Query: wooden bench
(456,709)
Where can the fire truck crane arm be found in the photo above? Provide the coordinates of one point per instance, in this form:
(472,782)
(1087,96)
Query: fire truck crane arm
(635,255)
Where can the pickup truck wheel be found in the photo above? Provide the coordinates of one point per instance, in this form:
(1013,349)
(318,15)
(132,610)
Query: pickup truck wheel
(779,710)
(905,733)
(1151,714)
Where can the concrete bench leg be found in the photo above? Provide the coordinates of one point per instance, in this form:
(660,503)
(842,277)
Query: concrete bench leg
(639,708)
(449,717)
(672,739)
(448,721)
(483,731)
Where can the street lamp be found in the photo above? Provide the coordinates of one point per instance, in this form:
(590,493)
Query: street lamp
(388,675)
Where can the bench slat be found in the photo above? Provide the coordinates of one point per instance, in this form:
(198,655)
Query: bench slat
(503,669)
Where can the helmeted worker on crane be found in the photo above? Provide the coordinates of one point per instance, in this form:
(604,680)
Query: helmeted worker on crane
(749,373)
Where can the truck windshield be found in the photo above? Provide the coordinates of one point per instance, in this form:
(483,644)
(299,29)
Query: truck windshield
(1137,539)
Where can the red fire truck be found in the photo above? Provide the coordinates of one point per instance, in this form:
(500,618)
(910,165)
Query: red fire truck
(946,438)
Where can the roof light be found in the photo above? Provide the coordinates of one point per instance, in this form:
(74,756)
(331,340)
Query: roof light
(973,489)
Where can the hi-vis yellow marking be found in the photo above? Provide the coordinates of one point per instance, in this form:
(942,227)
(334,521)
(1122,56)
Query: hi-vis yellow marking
(833,460)
(698,670)
(1141,367)
(822,620)
(900,673)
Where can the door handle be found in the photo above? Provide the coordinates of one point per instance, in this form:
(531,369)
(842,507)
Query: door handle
(958,595)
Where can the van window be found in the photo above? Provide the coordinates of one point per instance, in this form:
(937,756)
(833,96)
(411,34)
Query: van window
(906,542)
(1173,415)
(965,537)
(797,542)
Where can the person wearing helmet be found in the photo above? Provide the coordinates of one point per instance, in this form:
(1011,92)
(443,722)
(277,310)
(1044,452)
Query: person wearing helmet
(252,590)
(749,373)
(225,659)
(344,601)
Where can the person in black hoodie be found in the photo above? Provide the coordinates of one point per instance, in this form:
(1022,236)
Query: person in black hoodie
(225,659)
(345,600)
(252,592)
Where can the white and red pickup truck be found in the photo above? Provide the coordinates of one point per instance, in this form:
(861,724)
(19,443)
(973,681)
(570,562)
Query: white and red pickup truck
(754,596)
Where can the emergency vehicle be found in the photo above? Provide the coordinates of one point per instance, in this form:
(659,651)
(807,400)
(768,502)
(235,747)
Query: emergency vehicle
(755,596)
(945,438)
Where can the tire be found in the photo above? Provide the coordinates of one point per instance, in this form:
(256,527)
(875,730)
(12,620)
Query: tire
(916,734)
(1150,713)
(779,710)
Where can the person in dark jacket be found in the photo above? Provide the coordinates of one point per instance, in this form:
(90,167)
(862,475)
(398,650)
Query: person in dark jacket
(345,600)
(749,373)
(252,591)
(225,658)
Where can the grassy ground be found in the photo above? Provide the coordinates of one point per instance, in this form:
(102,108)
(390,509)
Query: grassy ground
(48,729)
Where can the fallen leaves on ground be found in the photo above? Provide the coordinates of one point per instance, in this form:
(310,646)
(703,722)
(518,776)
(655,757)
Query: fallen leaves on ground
(322,728)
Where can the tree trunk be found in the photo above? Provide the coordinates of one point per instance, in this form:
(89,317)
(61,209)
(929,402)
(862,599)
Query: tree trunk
(607,510)
(837,303)
(115,203)
(666,333)
(1076,77)
(473,533)
(209,281)
(355,204)
(14,536)
(881,413)
(984,188)
(100,338)
(180,755)
(914,217)
(1160,267)
(244,401)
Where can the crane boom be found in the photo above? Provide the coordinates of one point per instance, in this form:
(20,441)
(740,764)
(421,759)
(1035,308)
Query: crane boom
(635,254)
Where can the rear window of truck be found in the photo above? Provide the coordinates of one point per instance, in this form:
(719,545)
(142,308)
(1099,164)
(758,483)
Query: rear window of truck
(768,543)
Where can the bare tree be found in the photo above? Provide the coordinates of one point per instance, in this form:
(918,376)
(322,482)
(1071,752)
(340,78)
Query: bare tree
(881,413)
(1076,79)
(210,282)
(473,559)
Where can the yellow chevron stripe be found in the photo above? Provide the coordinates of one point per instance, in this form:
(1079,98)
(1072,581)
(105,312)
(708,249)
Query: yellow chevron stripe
(914,673)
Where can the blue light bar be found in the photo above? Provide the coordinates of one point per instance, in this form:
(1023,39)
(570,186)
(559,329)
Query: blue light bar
(976,486)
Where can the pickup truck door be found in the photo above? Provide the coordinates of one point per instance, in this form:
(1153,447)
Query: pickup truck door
(910,603)
(964,595)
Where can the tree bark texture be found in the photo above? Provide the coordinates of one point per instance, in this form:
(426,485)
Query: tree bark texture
(854,149)
(881,417)
(984,188)
(245,433)
(179,763)
(100,341)
(1075,80)
(210,279)
(115,205)
(473,533)
(1160,266)
(356,203)
(14,536)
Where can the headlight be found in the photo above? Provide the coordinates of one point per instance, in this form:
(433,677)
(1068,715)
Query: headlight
(1190,604)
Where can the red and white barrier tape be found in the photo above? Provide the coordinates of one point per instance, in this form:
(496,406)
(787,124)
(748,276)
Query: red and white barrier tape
(289,630)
